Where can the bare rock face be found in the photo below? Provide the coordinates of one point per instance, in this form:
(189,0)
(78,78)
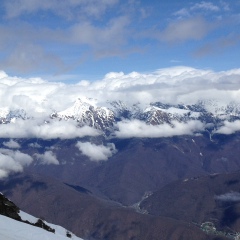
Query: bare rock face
(8,208)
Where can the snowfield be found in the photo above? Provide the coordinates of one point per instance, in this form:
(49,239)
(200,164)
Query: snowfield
(11,229)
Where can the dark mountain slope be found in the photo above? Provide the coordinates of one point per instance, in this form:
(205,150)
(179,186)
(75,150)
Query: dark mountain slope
(90,217)
(142,165)
(214,198)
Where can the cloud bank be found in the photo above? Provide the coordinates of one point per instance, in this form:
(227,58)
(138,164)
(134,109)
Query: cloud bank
(96,152)
(13,162)
(54,129)
(139,129)
(171,85)
(36,99)
(229,127)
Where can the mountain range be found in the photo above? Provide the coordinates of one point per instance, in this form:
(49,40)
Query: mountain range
(157,171)
(86,112)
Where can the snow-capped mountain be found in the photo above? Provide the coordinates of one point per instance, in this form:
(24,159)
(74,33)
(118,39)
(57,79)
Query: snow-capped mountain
(3,115)
(86,112)
(7,115)
(16,224)
(156,113)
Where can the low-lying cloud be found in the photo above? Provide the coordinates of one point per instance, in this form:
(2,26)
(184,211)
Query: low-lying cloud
(12,144)
(47,158)
(229,127)
(139,129)
(54,129)
(96,152)
(34,145)
(229,197)
(13,162)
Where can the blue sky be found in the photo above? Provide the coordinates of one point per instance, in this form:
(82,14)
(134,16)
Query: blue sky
(70,40)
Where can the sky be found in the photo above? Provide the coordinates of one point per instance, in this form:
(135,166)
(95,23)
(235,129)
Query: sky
(73,40)
(55,52)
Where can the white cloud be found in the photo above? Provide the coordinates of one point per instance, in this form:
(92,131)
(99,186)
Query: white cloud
(201,8)
(172,85)
(51,130)
(34,145)
(182,13)
(96,152)
(229,197)
(38,95)
(13,162)
(139,129)
(229,127)
(12,144)
(47,158)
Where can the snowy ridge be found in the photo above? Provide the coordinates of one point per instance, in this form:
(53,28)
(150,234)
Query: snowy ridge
(59,231)
(11,229)
(16,224)
(3,115)
(122,110)
(87,114)
(7,115)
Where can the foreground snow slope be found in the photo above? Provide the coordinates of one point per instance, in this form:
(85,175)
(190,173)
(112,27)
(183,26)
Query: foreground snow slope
(13,230)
